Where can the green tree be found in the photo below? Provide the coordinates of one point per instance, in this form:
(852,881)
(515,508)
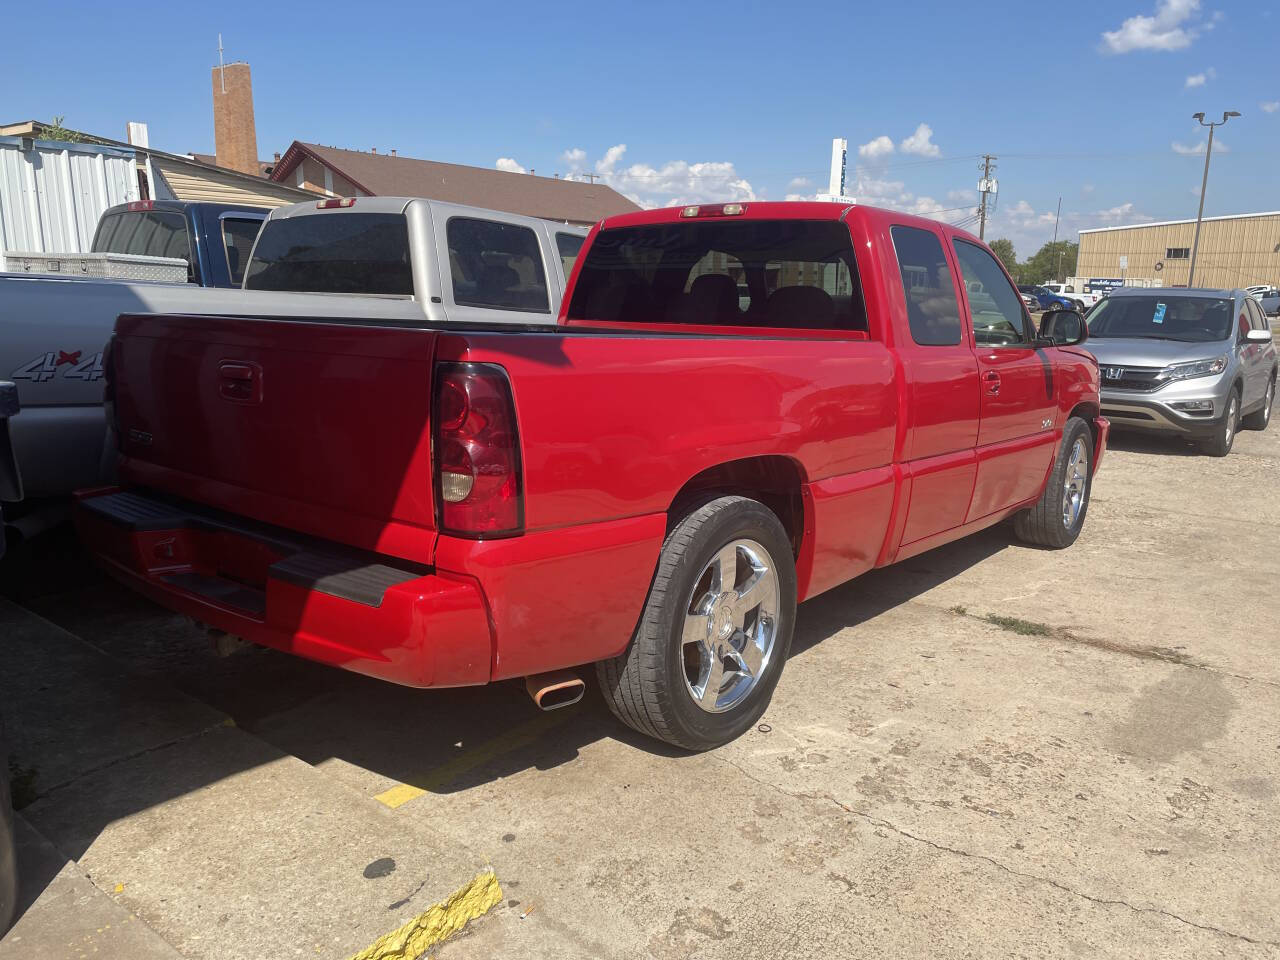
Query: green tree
(1003,248)
(56,131)
(1052,262)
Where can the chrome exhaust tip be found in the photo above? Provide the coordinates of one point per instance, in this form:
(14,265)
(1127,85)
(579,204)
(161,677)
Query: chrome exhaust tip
(551,691)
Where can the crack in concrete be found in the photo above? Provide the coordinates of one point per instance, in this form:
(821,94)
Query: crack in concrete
(944,848)
(116,761)
(1065,635)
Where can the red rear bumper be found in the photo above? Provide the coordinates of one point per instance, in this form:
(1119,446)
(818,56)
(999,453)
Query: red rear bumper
(408,625)
(488,610)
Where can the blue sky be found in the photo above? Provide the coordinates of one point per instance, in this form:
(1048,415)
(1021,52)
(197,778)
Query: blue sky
(707,101)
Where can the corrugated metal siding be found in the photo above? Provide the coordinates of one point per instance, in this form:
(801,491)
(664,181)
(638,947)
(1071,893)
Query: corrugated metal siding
(189,182)
(1234,252)
(52,196)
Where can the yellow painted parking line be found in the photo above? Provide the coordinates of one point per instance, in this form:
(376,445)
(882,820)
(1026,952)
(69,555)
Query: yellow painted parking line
(437,924)
(504,743)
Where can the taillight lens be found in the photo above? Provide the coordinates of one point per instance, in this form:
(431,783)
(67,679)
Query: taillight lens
(479,492)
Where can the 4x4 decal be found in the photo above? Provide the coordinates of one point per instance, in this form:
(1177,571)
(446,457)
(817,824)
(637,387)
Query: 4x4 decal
(67,362)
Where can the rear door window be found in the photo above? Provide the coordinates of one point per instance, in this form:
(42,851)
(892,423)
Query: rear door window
(568,246)
(334,253)
(496,266)
(238,235)
(790,274)
(933,312)
(149,233)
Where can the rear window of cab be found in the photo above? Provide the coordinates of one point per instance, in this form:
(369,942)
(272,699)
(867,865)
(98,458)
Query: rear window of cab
(798,274)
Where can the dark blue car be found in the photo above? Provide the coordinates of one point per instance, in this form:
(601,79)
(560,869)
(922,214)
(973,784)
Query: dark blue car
(1046,299)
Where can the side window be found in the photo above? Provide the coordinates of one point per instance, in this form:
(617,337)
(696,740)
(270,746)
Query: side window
(568,245)
(995,308)
(496,266)
(1259,318)
(932,310)
(237,238)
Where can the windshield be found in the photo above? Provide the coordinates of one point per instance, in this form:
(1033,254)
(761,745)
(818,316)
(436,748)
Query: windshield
(333,253)
(1162,317)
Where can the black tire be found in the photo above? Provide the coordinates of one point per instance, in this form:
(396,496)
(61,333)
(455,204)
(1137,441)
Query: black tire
(647,686)
(1224,437)
(1260,418)
(1045,524)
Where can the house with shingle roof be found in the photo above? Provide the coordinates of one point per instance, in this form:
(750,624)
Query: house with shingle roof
(354,173)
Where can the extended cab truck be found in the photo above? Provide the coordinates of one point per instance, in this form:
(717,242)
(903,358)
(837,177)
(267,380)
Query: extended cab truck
(424,263)
(650,485)
(214,238)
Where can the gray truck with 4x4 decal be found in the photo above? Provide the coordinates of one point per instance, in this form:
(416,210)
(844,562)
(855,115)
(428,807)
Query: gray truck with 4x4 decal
(408,261)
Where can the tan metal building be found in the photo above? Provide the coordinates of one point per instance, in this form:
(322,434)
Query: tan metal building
(1235,251)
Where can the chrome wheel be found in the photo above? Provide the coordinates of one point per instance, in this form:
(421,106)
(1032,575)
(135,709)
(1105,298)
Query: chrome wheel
(1232,412)
(1266,408)
(1074,483)
(730,625)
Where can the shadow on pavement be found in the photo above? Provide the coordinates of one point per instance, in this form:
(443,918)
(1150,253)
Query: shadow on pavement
(148,681)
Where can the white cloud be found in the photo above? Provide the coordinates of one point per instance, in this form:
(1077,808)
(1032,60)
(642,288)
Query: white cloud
(610,159)
(1172,28)
(1087,189)
(1270,106)
(881,146)
(1199,79)
(509,165)
(798,182)
(921,142)
(1197,149)
(675,182)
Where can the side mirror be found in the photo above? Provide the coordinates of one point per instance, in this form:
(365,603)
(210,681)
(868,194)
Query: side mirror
(1063,328)
(1258,336)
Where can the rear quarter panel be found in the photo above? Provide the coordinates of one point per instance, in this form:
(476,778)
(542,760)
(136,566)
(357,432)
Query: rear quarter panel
(613,426)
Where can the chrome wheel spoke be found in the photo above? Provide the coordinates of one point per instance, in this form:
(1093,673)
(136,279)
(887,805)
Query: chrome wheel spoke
(695,631)
(726,575)
(755,591)
(750,658)
(708,690)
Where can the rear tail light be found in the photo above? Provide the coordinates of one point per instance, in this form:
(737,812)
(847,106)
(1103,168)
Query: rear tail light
(142,205)
(479,488)
(335,203)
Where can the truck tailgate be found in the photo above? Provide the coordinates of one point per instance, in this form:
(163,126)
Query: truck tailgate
(318,427)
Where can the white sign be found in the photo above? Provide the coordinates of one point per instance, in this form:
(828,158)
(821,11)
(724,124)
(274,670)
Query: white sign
(989,185)
(1124,261)
(839,150)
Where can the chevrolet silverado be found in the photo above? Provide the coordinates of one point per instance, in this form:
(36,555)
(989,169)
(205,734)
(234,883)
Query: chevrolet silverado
(649,484)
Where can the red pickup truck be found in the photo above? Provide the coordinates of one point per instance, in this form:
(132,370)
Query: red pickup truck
(739,407)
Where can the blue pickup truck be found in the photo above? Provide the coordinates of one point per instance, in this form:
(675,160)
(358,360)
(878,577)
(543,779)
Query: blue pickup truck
(214,238)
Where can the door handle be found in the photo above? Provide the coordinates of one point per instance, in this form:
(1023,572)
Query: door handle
(992,380)
(240,381)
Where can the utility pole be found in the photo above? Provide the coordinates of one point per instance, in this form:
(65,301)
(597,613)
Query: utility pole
(222,70)
(1058,269)
(591,177)
(985,186)
(1208,152)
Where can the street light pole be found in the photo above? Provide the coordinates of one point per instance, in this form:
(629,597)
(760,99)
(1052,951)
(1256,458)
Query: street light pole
(1204,182)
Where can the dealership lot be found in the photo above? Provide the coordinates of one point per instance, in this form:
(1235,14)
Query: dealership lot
(989,750)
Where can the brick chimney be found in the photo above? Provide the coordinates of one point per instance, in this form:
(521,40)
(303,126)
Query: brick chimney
(235,139)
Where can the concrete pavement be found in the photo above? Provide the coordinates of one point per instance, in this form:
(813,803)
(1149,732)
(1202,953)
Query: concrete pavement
(991,750)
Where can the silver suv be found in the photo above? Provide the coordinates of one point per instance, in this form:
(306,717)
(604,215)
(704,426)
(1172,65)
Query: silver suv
(1195,363)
